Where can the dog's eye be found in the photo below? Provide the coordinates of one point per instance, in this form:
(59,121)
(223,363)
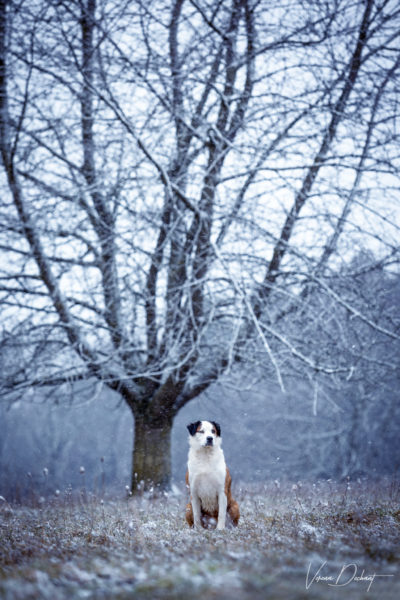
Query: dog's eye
(201,431)
(213,431)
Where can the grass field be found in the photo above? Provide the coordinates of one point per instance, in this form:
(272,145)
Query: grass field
(313,541)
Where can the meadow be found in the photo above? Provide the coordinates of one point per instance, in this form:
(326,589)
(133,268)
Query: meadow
(320,540)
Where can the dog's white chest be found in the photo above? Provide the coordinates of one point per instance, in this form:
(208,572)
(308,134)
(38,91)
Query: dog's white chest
(207,472)
(207,487)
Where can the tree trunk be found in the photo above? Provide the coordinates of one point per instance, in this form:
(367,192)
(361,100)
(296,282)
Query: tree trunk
(152,453)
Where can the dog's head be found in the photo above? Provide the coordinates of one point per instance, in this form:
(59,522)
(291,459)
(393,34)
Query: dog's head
(204,434)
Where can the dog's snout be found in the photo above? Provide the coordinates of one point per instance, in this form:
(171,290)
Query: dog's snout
(210,440)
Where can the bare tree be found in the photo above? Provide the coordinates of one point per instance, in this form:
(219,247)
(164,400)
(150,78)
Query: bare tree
(180,178)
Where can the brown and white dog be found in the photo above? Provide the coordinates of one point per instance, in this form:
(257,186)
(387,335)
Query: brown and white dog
(208,478)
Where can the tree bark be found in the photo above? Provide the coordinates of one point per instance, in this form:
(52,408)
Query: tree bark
(151,464)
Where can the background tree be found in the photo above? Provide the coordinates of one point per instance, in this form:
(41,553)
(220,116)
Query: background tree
(183,181)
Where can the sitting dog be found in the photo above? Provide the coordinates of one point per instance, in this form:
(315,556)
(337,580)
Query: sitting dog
(208,478)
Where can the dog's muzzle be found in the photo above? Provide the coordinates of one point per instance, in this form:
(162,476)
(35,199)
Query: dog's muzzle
(209,441)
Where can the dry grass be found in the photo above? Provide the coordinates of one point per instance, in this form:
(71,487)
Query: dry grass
(73,547)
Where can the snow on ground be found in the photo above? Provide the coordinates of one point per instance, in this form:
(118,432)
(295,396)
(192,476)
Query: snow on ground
(293,541)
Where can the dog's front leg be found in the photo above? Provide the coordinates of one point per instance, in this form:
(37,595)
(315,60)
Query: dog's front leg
(196,511)
(222,505)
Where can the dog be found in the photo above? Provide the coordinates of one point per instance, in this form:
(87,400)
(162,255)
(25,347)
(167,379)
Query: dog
(208,479)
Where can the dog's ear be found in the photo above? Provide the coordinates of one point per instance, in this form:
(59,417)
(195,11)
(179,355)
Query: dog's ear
(217,427)
(192,427)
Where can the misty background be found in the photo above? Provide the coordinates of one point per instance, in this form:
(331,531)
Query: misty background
(267,435)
